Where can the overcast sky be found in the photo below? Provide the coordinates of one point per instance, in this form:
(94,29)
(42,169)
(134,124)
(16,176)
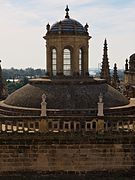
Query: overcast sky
(23,25)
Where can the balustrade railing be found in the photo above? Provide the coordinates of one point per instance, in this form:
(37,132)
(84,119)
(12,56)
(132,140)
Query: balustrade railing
(40,124)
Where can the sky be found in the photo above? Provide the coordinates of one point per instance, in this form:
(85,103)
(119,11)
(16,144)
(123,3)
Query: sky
(23,25)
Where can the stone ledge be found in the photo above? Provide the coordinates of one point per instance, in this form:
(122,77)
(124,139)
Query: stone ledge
(72,175)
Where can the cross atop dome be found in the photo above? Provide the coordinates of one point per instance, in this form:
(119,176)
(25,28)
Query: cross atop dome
(67,10)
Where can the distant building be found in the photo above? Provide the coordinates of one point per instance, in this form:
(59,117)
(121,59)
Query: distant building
(129,78)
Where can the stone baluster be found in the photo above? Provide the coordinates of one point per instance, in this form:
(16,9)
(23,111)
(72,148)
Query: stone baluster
(11,124)
(6,126)
(17,126)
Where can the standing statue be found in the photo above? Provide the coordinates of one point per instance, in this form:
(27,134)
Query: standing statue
(43,105)
(100,106)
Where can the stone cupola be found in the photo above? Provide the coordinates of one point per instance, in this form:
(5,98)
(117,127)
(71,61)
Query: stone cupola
(67,44)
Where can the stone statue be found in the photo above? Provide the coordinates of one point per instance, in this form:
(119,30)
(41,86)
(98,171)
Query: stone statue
(43,98)
(43,105)
(100,105)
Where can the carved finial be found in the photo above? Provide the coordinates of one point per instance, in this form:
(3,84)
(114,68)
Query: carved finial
(100,98)
(48,27)
(86,27)
(126,65)
(67,10)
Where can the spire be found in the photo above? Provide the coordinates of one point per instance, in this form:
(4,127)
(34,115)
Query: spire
(105,71)
(67,10)
(115,77)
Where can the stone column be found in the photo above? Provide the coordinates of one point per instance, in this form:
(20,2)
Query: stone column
(85,60)
(59,58)
(48,60)
(43,106)
(75,61)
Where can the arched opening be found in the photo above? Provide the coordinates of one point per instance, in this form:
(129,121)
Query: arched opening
(80,60)
(67,62)
(54,62)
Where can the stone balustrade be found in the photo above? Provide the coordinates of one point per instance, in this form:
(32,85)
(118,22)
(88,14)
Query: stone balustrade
(38,124)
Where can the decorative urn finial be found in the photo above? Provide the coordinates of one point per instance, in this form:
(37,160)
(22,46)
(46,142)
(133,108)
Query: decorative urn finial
(67,10)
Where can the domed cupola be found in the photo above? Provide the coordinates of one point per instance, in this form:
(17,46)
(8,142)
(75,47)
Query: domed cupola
(67,44)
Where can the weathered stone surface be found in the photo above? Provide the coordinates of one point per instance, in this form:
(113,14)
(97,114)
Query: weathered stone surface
(86,157)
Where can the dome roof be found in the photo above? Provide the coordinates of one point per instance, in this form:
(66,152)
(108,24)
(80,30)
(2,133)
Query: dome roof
(68,26)
(70,94)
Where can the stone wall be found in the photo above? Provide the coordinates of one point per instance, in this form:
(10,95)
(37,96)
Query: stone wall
(30,153)
(68,146)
